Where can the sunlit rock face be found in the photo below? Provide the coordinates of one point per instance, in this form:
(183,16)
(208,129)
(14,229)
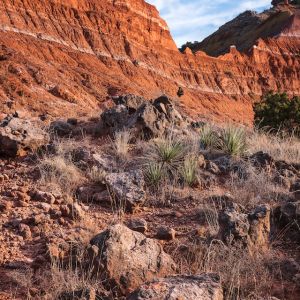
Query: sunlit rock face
(66,57)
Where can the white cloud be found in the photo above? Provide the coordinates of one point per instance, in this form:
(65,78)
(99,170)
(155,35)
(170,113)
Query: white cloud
(191,20)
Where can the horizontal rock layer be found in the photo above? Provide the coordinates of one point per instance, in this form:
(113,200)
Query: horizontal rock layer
(64,57)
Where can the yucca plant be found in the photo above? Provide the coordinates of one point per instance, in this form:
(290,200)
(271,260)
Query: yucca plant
(153,174)
(233,140)
(167,152)
(208,138)
(189,171)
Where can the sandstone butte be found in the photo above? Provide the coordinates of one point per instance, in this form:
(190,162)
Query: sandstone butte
(66,57)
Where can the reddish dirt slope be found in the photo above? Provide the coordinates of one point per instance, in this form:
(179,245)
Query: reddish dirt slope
(63,58)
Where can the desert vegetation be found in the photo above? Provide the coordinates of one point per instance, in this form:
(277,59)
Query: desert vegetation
(277,111)
(215,204)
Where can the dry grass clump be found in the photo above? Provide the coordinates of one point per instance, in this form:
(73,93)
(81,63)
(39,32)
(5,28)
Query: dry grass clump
(73,280)
(280,148)
(189,170)
(121,143)
(243,275)
(58,172)
(251,186)
(97,175)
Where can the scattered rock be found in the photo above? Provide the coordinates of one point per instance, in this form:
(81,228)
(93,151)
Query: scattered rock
(142,259)
(18,136)
(83,294)
(43,196)
(3,177)
(261,159)
(127,188)
(165,233)
(96,193)
(213,168)
(5,206)
(61,128)
(73,211)
(183,287)
(201,161)
(139,225)
(25,231)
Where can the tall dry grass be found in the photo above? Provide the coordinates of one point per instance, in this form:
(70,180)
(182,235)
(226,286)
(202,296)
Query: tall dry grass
(121,143)
(280,148)
(250,186)
(244,276)
(58,173)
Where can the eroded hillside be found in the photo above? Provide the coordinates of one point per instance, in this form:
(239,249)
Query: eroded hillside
(66,57)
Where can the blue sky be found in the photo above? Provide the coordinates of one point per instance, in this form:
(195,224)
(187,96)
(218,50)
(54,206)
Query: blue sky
(193,20)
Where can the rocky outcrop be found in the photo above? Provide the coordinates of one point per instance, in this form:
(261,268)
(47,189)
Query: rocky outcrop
(127,258)
(126,189)
(202,287)
(249,230)
(18,136)
(103,48)
(145,119)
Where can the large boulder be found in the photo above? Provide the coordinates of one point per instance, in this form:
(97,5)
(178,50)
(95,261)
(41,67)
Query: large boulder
(143,118)
(201,287)
(127,188)
(126,258)
(115,119)
(18,136)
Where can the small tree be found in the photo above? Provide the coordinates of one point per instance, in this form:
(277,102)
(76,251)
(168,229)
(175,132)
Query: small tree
(277,110)
(180,92)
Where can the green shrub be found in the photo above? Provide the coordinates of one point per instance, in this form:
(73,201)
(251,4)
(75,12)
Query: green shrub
(278,111)
(233,140)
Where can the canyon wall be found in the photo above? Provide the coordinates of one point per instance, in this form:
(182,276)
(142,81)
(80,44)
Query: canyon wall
(65,58)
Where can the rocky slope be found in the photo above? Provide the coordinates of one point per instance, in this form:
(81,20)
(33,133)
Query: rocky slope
(248,27)
(65,57)
(81,206)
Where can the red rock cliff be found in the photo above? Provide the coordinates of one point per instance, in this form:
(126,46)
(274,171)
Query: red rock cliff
(64,57)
